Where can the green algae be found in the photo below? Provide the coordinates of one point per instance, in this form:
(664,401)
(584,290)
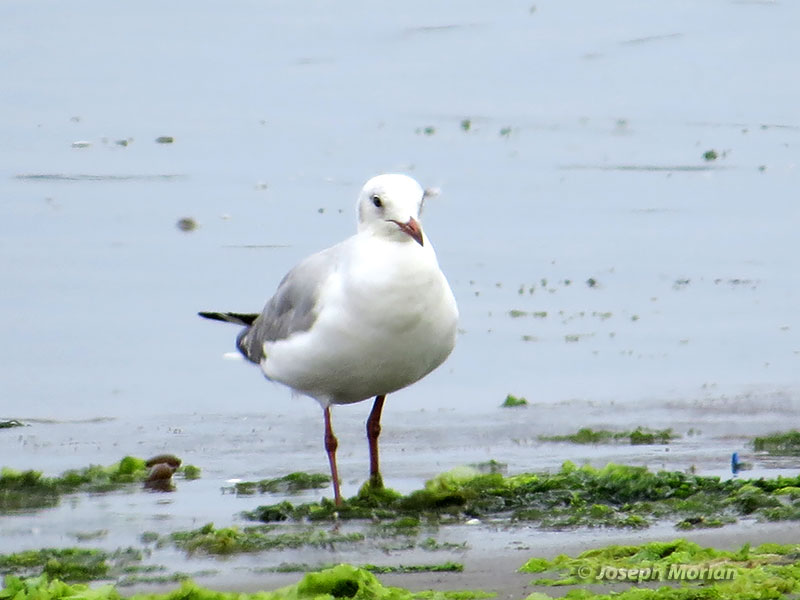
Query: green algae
(638,437)
(408,526)
(514,402)
(9,423)
(768,571)
(613,496)
(341,581)
(30,490)
(148,574)
(258,538)
(288,484)
(432,545)
(779,444)
(89,564)
(190,472)
(165,578)
(24,490)
(69,564)
(448,567)
(86,536)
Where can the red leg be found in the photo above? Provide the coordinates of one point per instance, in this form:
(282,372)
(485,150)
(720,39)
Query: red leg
(373,431)
(331,443)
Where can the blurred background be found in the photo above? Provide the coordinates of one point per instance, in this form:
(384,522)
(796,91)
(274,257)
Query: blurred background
(617,211)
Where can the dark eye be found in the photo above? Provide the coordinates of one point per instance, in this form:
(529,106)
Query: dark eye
(376,200)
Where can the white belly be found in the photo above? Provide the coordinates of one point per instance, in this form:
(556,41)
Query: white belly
(373,335)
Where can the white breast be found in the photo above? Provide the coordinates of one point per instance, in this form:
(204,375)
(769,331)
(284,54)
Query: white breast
(387,318)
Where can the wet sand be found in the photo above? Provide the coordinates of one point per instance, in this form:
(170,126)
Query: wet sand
(497,571)
(416,445)
(493,563)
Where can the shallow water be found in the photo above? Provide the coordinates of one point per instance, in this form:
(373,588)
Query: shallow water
(579,190)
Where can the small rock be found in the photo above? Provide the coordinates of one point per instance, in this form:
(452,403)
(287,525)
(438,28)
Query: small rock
(160,472)
(169,459)
(160,478)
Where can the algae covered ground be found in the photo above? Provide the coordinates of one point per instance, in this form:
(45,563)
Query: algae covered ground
(638,437)
(613,496)
(683,569)
(785,443)
(406,526)
(674,570)
(342,581)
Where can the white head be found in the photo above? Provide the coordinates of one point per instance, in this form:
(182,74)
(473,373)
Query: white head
(389,206)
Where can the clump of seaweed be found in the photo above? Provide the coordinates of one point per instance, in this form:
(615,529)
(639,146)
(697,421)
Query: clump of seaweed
(446,567)
(779,444)
(638,437)
(232,540)
(768,571)
(190,472)
(512,401)
(26,490)
(288,484)
(69,564)
(30,489)
(613,496)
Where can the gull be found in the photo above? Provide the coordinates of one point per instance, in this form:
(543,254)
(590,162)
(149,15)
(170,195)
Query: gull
(362,319)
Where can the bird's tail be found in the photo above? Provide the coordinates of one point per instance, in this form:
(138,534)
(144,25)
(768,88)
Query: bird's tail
(245,319)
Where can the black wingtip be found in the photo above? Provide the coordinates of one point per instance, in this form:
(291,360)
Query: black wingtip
(215,316)
(229,317)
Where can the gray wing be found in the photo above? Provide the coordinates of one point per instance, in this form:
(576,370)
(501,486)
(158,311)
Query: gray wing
(293,308)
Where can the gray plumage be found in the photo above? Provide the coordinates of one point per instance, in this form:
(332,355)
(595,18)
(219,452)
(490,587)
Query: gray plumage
(293,308)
